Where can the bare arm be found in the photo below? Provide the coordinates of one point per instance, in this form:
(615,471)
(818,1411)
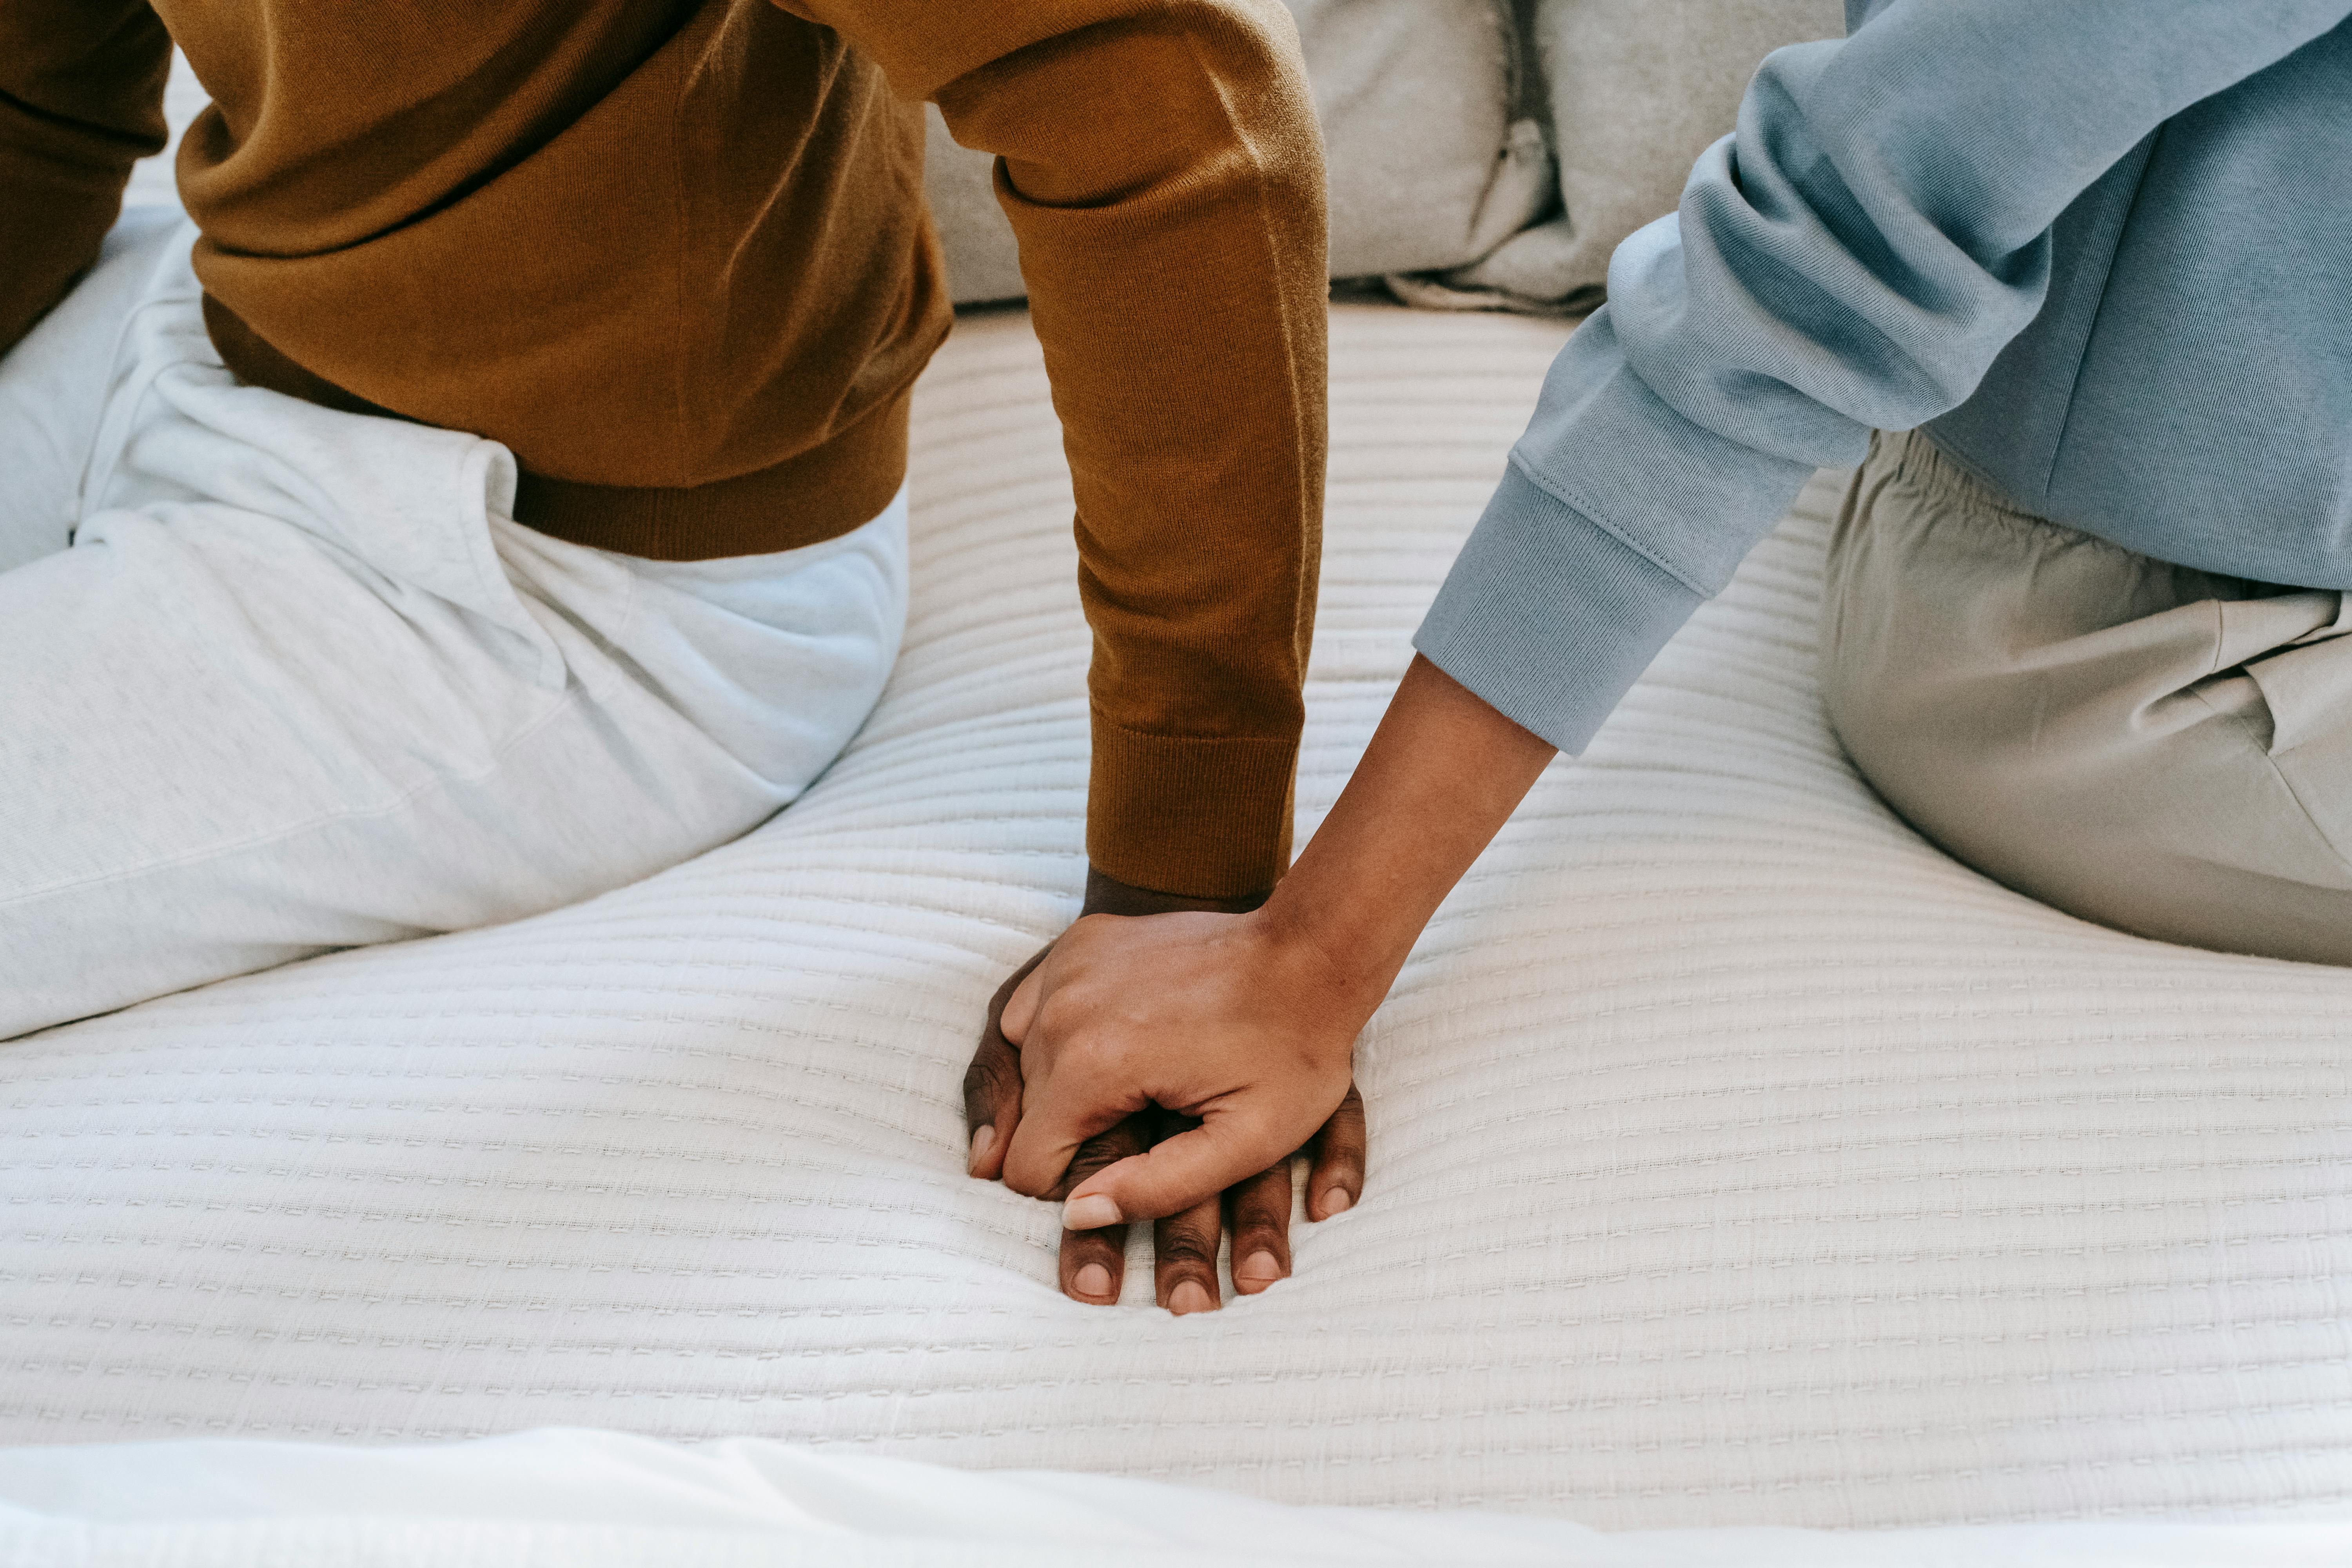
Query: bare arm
(1442,775)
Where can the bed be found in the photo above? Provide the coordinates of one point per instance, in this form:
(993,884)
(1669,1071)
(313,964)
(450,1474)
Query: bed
(1737,1159)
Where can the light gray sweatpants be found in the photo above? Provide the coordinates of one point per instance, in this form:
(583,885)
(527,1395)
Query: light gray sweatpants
(2155,748)
(275,679)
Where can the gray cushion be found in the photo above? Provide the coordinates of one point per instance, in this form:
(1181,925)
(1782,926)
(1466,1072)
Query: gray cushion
(1428,168)
(1639,89)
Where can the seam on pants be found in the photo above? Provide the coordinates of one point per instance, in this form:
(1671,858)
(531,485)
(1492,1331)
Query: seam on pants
(145,302)
(144,378)
(2253,743)
(308,825)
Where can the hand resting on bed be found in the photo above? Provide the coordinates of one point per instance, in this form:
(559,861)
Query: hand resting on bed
(1186,1237)
(1244,1021)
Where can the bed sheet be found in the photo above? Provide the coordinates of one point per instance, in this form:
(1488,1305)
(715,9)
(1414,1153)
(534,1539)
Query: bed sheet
(1737,1159)
(572,1499)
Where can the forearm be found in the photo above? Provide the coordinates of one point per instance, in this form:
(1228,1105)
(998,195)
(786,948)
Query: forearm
(1163,175)
(1442,773)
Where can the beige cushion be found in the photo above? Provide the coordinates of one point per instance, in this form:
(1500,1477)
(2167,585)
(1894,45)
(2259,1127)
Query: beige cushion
(1428,167)
(1639,89)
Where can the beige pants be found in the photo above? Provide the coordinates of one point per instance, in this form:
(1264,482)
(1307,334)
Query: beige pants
(2158,749)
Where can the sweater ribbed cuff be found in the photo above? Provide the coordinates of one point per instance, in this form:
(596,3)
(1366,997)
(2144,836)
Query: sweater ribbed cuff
(1549,616)
(1204,817)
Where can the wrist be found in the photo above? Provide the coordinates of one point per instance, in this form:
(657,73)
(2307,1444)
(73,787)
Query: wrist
(1354,963)
(1107,895)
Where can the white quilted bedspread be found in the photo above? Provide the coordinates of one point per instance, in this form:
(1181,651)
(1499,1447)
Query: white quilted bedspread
(1738,1160)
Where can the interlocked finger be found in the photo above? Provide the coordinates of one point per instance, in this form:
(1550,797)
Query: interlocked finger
(1260,1222)
(1336,1180)
(991,1084)
(1184,1258)
(1184,1245)
(1094,1262)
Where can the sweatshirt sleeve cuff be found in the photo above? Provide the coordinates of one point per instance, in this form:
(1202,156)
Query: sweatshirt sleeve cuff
(1549,616)
(1202,817)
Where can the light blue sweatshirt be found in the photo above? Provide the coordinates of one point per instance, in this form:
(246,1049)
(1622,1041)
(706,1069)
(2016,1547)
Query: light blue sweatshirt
(2101,249)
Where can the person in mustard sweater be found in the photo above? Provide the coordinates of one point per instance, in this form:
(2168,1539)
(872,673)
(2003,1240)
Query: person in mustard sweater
(493,492)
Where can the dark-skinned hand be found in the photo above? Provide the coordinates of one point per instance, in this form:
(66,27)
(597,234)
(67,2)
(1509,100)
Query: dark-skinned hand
(1184,1244)
(1245,1018)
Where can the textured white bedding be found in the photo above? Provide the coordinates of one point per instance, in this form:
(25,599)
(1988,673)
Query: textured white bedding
(559,1498)
(1737,1159)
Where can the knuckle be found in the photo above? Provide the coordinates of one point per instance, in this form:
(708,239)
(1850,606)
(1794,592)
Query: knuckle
(1125,1138)
(1344,1148)
(1341,1162)
(1185,1263)
(1068,1004)
(1262,1211)
(1084,1165)
(1251,1218)
(1095,1154)
(1184,1250)
(1260,1232)
(1080,1170)
(985,1089)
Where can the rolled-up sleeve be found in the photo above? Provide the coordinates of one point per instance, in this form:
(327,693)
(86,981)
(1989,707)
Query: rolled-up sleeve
(1853,257)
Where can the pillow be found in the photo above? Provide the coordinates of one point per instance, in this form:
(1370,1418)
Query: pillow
(1430,166)
(1639,89)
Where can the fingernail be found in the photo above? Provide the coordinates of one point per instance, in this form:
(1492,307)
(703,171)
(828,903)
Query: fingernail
(1337,1200)
(1089,1213)
(1257,1269)
(1190,1296)
(1094,1279)
(981,1142)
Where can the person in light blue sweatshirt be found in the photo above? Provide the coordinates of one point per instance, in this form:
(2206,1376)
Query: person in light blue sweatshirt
(2071,282)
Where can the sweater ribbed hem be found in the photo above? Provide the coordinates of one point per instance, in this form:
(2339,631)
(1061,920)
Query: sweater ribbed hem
(811,497)
(1549,616)
(807,499)
(1202,817)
